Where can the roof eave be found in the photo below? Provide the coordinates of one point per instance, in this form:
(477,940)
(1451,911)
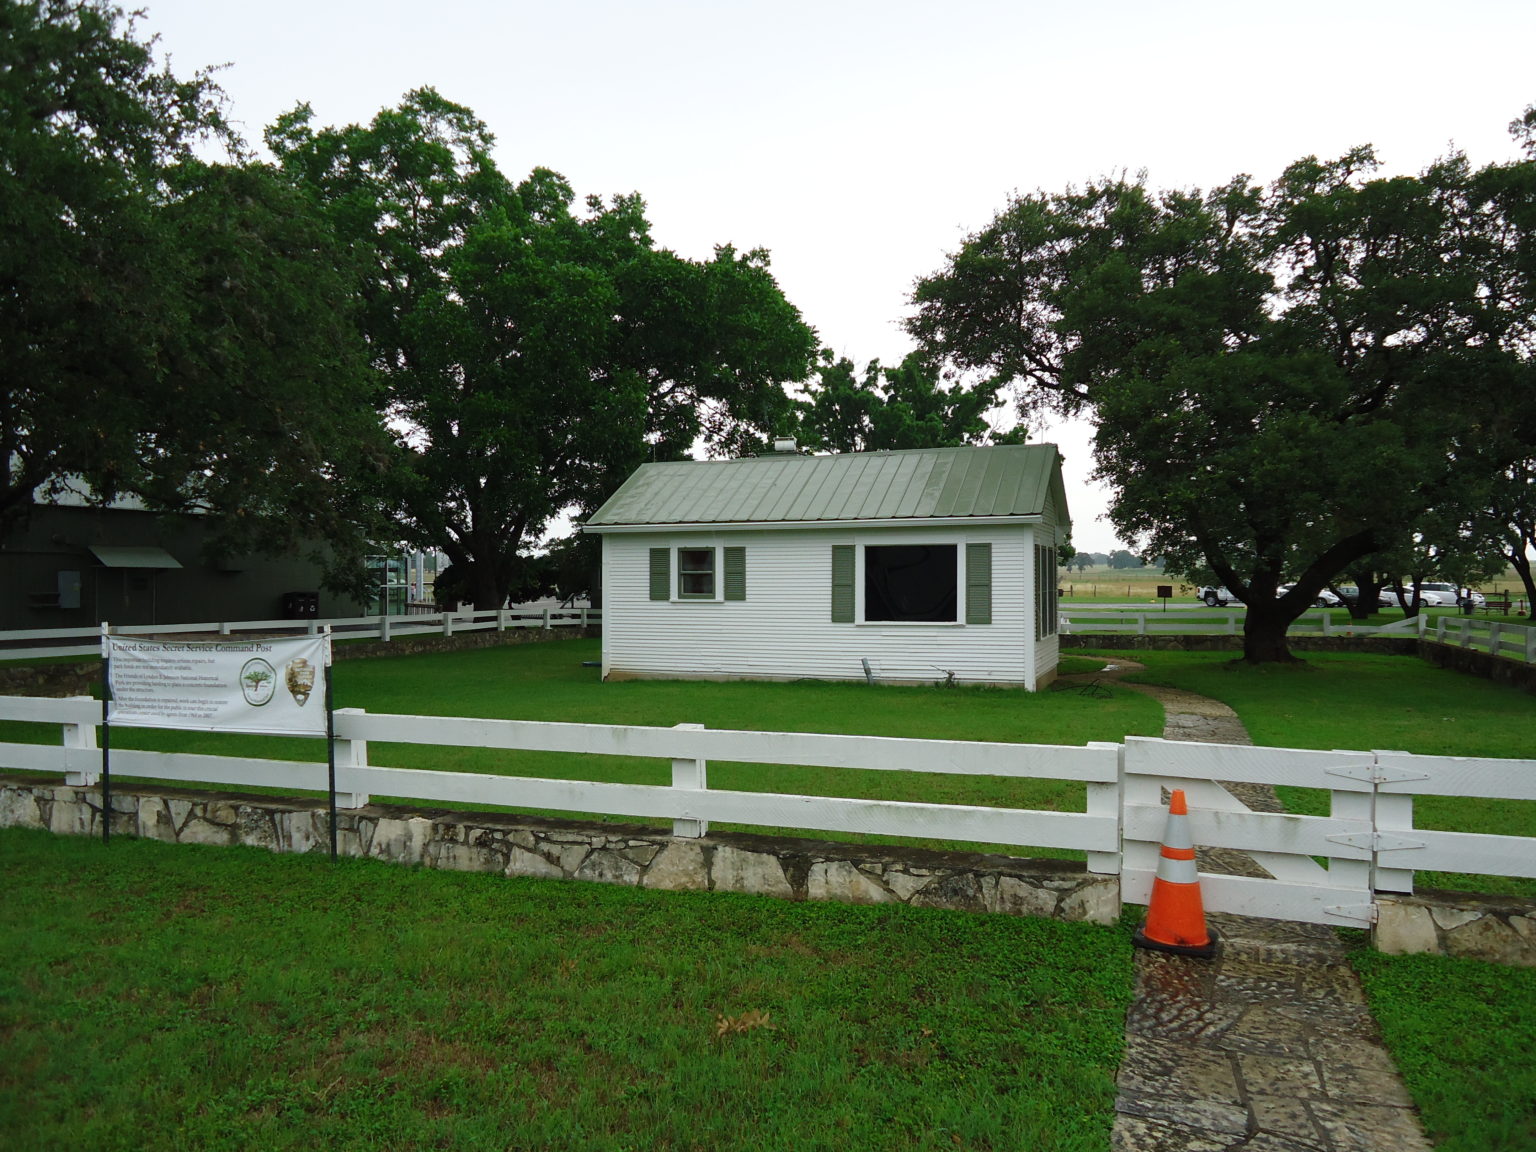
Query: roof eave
(779,525)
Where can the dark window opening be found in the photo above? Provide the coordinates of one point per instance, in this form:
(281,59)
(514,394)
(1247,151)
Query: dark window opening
(911,582)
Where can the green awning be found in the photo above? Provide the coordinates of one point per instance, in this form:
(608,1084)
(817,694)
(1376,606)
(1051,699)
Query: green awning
(137,556)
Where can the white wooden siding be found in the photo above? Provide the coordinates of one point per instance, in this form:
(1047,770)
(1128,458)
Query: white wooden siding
(783,630)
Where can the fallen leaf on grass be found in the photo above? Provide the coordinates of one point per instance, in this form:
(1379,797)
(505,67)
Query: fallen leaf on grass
(753,1018)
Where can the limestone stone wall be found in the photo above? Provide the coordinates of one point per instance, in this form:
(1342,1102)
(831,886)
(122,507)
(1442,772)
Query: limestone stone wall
(1500,929)
(789,867)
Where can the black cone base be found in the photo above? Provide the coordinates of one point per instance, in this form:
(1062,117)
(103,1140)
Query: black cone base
(1199,951)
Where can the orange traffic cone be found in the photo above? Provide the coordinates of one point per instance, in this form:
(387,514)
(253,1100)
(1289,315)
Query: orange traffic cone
(1176,917)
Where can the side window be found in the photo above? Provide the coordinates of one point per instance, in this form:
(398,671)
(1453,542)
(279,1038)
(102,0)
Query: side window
(709,573)
(1045,592)
(695,573)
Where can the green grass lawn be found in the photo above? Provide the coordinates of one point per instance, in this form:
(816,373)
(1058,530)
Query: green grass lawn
(168,997)
(1462,1033)
(550,682)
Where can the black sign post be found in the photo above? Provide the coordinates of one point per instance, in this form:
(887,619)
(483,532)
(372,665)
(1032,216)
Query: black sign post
(330,747)
(1165,591)
(106,737)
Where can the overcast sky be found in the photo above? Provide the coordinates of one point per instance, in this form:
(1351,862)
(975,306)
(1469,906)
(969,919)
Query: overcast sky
(860,142)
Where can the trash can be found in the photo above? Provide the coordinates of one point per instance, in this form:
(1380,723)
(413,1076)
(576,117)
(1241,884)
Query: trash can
(1467,607)
(301,605)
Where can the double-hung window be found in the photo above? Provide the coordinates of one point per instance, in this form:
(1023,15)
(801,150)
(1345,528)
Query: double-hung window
(695,573)
(689,572)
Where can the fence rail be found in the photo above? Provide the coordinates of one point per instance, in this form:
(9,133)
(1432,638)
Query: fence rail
(1496,637)
(1321,869)
(35,643)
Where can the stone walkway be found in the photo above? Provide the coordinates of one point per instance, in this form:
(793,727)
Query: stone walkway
(1270,1046)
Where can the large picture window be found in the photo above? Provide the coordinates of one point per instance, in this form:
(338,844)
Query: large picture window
(916,582)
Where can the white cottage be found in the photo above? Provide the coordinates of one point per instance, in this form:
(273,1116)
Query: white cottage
(930,564)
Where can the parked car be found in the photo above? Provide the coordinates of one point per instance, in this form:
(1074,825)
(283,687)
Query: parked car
(1215,597)
(1325,598)
(1440,595)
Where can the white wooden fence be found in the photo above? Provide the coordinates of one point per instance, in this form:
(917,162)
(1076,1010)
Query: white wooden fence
(1496,637)
(32,643)
(1206,621)
(1368,839)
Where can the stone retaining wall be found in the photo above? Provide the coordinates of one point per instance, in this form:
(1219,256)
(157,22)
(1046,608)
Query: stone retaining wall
(1499,929)
(1500,669)
(787,867)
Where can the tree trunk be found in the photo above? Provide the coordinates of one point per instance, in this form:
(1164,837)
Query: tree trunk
(1264,639)
(1522,566)
(483,587)
(1368,595)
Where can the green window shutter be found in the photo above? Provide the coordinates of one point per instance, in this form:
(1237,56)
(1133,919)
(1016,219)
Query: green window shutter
(842,583)
(661,573)
(1039,593)
(978,583)
(735,573)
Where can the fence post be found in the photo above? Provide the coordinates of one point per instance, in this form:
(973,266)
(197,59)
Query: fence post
(1141,625)
(1394,817)
(1108,799)
(83,736)
(1466,633)
(501,619)
(583,617)
(384,633)
(1493,637)
(1530,645)
(692,774)
(447,623)
(546,619)
(224,628)
(1231,623)
(1356,874)
(350,754)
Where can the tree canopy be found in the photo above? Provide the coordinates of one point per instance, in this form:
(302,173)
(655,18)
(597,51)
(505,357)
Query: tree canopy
(530,353)
(1285,379)
(909,406)
(169,327)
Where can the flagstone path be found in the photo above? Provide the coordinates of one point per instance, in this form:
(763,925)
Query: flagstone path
(1269,1047)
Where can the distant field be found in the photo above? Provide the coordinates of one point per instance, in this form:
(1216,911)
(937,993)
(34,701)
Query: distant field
(1120,585)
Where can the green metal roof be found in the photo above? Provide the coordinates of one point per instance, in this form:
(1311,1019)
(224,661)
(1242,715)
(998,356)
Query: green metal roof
(1007,480)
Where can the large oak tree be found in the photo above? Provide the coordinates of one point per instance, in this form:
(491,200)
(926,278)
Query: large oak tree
(1284,379)
(169,327)
(531,352)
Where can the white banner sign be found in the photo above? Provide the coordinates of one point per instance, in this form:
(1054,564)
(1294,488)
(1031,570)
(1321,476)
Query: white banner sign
(269,686)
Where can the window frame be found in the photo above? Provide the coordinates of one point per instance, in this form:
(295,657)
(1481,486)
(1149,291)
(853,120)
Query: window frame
(713,572)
